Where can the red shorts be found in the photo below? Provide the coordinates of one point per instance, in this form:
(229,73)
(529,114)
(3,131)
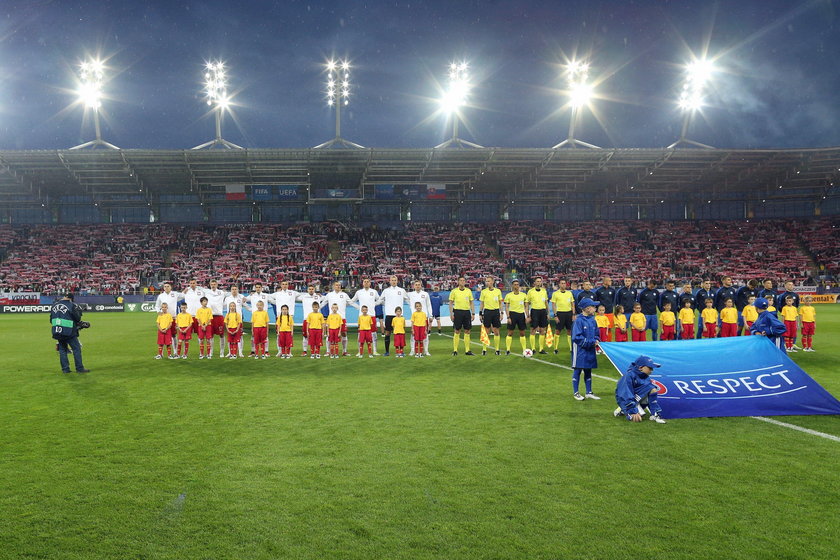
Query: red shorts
(316,338)
(791,329)
(185,335)
(195,325)
(748,324)
(285,339)
(604,333)
(620,336)
(344,326)
(669,332)
(687,332)
(710,330)
(259,334)
(234,335)
(639,336)
(808,329)
(399,340)
(173,330)
(205,332)
(164,338)
(217,326)
(728,329)
(334,335)
(365,336)
(419,333)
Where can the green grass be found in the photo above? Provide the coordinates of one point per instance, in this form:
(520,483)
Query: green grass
(436,458)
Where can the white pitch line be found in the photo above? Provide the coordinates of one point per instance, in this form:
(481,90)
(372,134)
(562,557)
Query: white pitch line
(762,418)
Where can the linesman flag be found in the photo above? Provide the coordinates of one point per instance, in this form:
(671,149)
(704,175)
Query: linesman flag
(549,336)
(485,340)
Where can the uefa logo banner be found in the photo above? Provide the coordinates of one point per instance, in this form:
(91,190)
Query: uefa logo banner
(737,376)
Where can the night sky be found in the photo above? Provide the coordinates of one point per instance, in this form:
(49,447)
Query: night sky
(778,83)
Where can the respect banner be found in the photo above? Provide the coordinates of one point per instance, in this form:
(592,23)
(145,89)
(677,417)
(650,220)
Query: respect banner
(737,376)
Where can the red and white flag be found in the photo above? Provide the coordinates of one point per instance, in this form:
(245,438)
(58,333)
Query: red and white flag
(235,192)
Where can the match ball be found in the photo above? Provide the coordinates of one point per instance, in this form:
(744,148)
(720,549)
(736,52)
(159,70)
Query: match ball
(527,353)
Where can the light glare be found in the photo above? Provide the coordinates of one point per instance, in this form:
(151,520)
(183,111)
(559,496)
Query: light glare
(459,88)
(338,82)
(91,75)
(697,75)
(215,85)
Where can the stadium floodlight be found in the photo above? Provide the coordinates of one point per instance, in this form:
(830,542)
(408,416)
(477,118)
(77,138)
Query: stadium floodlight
(91,78)
(338,94)
(215,89)
(691,100)
(455,97)
(580,93)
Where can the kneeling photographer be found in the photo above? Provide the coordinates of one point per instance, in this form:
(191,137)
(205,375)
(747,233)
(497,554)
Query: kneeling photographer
(66,320)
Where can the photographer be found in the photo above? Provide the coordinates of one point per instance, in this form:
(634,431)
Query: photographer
(66,320)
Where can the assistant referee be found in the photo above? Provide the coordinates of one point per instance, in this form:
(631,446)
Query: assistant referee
(462,313)
(563,304)
(490,311)
(537,304)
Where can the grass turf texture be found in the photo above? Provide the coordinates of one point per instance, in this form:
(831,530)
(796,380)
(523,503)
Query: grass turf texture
(441,457)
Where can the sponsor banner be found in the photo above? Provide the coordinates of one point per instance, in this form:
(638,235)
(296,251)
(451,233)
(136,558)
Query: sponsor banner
(436,191)
(737,376)
(411,192)
(25,308)
(260,192)
(805,289)
(287,192)
(339,193)
(383,192)
(20,298)
(824,298)
(146,306)
(99,307)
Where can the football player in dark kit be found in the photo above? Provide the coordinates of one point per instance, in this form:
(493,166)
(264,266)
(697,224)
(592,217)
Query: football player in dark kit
(742,299)
(626,296)
(649,298)
(669,295)
(725,292)
(65,322)
(705,292)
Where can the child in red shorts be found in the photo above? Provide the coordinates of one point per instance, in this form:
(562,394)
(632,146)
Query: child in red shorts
(204,316)
(620,324)
(233,324)
(164,336)
(419,324)
(316,324)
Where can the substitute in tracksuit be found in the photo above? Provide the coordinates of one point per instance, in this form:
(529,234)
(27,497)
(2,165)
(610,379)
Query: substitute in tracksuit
(585,338)
(768,324)
(649,299)
(635,390)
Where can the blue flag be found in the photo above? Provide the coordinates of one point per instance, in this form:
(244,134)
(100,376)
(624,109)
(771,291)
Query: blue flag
(737,376)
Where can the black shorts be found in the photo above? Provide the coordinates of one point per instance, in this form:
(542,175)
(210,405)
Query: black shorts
(492,318)
(389,323)
(564,320)
(461,319)
(539,318)
(516,321)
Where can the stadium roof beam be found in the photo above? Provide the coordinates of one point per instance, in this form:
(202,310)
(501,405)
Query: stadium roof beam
(691,100)
(338,94)
(580,93)
(91,76)
(454,98)
(215,88)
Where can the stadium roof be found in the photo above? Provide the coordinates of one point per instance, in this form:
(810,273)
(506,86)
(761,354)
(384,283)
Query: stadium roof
(622,174)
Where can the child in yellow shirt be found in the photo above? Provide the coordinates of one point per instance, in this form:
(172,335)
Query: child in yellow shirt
(259,331)
(749,313)
(334,322)
(638,324)
(233,324)
(710,318)
(419,324)
(367,326)
(790,315)
(669,322)
(183,323)
(315,325)
(398,324)
(809,323)
(686,324)
(285,338)
(620,324)
(728,319)
(603,324)
(204,317)
(164,322)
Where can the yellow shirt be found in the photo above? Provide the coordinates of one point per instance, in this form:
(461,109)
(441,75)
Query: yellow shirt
(462,299)
(491,298)
(418,318)
(537,299)
(398,324)
(516,302)
(709,314)
(315,320)
(668,318)
(621,322)
(285,323)
(686,316)
(728,315)
(789,313)
(233,320)
(164,321)
(808,313)
(184,320)
(563,301)
(204,316)
(750,313)
(771,308)
(334,321)
(259,318)
(365,323)
(602,321)
(638,321)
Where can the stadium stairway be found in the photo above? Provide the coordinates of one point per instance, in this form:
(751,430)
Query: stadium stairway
(334,252)
(815,268)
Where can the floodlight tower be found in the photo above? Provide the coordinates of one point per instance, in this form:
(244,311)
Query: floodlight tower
(455,98)
(215,88)
(697,74)
(91,76)
(580,92)
(338,94)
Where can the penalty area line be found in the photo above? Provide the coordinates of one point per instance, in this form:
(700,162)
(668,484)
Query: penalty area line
(761,418)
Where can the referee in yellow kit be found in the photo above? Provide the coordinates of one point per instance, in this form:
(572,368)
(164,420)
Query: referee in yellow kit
(536,302)
(563,306)
(462,313)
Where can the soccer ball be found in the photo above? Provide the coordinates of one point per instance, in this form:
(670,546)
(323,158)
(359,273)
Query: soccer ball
(527,353)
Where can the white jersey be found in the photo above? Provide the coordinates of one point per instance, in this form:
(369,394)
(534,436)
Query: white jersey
(307,300)
(284,297)
(392,297)
(237,299)
(171,301)
(193,299)
(252,299)
(216,300)
(423,298)
(364,297)
(342,299)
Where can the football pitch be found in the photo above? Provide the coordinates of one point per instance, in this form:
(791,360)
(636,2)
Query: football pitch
(442,457)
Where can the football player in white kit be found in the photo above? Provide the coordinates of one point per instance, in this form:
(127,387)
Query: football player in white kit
(192,295)
(419,295)
(216,301)
(239,301)
(369,297)
(287,297)
(306,300)
(251,305)
(170,298)
(340,298)
(392,297)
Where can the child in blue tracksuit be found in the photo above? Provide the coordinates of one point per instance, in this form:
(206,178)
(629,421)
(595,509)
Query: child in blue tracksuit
(584,343)
(635,391)
(768,324)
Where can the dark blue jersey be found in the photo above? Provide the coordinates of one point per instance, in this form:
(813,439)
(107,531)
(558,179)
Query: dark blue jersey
(580,295)
(742,297)
(626,297)
(780,299)
(606,297)
(684,297)
(436,300)
(701,296)
(672,297)
(768,294)
(724,294)
(649,300)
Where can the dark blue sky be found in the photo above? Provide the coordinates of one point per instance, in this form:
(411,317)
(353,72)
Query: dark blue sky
(779,84)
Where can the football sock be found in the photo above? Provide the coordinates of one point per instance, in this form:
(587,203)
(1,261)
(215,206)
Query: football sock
(160,350)
(508,341)
(387,343)
(532,341)
(344,344)
(569,340)
(542,341)
(455,337)
(186,348)
(522,342)
(498,342)
(576,380)
(467,342)
(587,379)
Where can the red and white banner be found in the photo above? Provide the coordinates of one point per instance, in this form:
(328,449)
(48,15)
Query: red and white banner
(20,298)
(235,192)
